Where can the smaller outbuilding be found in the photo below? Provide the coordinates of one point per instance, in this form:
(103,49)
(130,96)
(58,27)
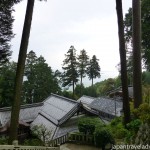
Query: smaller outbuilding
(104,107)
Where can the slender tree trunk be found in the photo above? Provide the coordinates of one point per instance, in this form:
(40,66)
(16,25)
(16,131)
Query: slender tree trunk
(81,86)
(124,79)
(13,132)
(73,90)
(137,83)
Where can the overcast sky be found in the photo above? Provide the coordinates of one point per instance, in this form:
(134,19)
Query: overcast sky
(85,24)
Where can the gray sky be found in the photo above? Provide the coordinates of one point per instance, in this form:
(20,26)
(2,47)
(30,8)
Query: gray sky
(85,24)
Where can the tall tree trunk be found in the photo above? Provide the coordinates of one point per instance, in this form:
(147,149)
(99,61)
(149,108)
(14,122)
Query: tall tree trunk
(73,90)
(126,106)
(92,82)
(137,83)
(13,132)
(81,85)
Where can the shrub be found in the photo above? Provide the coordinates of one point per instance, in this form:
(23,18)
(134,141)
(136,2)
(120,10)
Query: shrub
(87,125)
(121,133)
(134,125)
(143,113)
(4,140)
(102,137)
(117,129)
(143,135)
(33,142)
(116,121)
(42,133)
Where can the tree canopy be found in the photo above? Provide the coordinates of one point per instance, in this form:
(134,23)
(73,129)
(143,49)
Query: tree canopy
(93,69)
(70,74)
(145,21)
(6,33)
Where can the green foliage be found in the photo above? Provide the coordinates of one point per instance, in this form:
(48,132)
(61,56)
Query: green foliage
(42,133)
(143,113)
(93,70)
(87,125)
(3,140)
(146,93)
(78,90)
(145,21)
(70,74)
(117,128)
(41,80)
(33,142)
(104,87)
(134,125)
(88,91)
(116,121)
(93,126)
(121,132)
(143,135)
(102,137)
(83,59)
(67,94)
(133,128)
(7,79)
(6,33)
(146,77)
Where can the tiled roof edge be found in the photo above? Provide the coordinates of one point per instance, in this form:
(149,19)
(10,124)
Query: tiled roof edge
(22,106)
(65,98)
(88,97)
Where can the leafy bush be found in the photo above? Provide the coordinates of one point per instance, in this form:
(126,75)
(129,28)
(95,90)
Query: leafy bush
(42,133)
(102,137)
(121,133)
(87,125)
(33,142)
(134,125)
(116,121)
(117,129)
(3,140)
(143,135)
(143,113)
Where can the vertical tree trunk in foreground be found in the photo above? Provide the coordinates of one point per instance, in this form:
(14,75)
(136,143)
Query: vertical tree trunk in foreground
(81,85)
(73,95)
(126,106)
(13,132)
(137,83)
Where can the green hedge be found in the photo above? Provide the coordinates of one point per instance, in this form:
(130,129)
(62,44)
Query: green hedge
(102,137)
(87,125)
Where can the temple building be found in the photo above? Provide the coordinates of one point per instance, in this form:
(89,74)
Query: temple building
(59,114)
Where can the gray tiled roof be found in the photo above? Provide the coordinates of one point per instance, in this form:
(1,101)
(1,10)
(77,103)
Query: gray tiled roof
(27,113)
(87,100)
(41,120)
(107,105)
(55,111)
(69,126)
(57,107)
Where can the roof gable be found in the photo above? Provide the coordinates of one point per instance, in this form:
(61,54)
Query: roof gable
(56,108)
